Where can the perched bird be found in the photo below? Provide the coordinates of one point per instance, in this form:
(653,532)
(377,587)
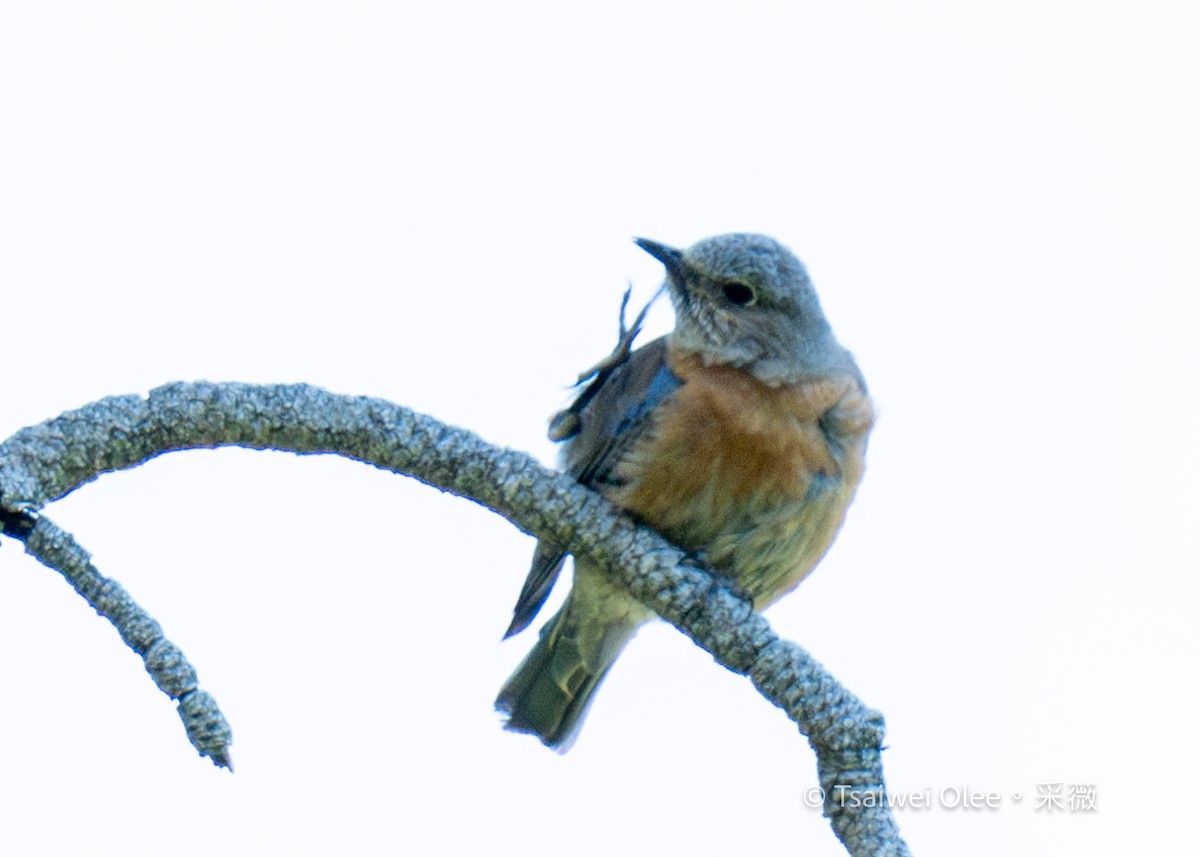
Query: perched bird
(740,437)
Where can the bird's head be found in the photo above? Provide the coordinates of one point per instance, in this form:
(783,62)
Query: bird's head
(745,300)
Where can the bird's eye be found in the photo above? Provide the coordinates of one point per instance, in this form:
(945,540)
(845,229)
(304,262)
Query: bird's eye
(739,293)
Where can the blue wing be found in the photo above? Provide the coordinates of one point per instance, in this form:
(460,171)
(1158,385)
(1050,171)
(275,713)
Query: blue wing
(616,414)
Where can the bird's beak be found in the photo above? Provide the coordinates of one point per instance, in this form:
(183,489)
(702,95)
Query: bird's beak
(671,258)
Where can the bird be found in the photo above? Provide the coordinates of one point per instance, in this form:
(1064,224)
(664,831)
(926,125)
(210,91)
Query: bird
(740,436)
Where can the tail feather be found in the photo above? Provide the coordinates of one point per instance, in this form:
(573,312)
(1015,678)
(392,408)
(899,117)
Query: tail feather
(552,690)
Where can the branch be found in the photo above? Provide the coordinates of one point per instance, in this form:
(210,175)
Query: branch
(43,463)
(205,725)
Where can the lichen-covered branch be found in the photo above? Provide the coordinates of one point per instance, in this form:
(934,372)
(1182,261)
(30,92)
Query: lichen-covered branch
(205,725)
(45,462)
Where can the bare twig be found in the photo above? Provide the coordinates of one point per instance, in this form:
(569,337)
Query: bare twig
(43,463)
(205,725)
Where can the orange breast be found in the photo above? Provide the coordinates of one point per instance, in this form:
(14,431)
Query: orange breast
(756,477)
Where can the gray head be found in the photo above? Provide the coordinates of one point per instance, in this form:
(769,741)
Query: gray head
(746,300)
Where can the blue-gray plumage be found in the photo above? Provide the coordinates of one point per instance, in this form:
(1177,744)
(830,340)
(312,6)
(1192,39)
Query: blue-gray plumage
(740,436)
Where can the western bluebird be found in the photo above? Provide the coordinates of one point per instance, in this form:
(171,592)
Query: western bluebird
(740,437)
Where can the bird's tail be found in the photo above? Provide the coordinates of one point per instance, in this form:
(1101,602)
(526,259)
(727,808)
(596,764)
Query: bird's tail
(552,689)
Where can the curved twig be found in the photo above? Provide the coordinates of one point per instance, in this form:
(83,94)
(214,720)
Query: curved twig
(45,462)
(55,548)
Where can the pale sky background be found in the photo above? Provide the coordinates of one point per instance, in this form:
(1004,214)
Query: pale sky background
(434,206)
